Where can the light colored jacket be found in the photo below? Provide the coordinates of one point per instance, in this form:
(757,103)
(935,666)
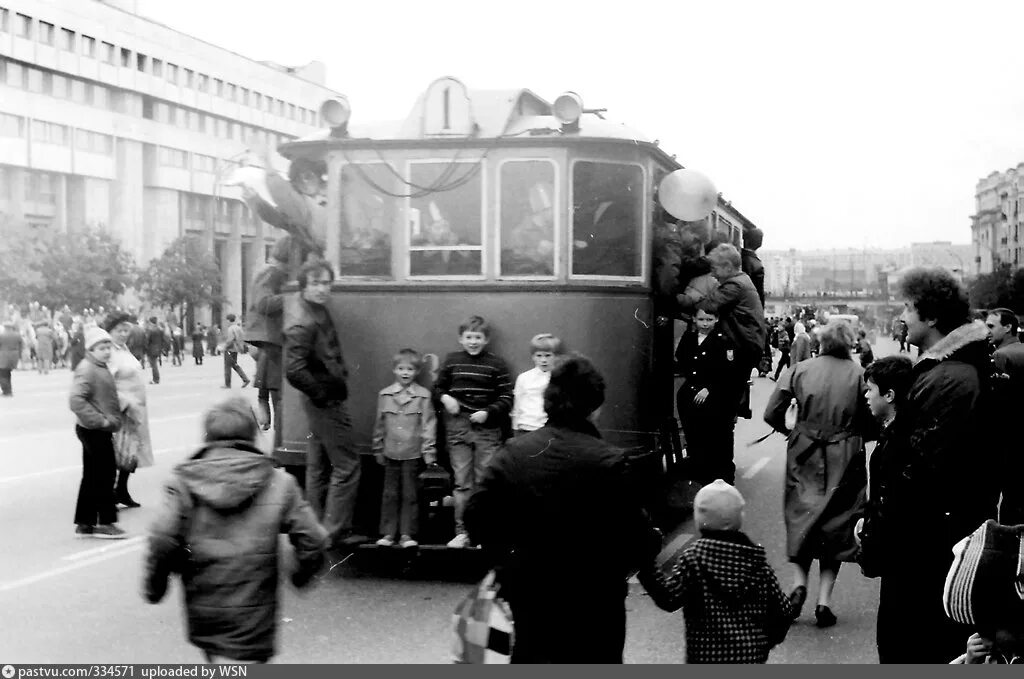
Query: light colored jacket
(406,425)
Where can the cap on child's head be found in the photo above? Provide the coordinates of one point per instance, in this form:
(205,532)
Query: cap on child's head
(985,583)
(718,506)
(94,336)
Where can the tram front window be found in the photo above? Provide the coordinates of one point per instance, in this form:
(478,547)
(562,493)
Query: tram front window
(607,222)
(369,214)
(445,221)
(527,218)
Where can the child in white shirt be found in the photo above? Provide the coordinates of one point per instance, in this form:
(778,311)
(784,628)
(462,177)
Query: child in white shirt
(528,407)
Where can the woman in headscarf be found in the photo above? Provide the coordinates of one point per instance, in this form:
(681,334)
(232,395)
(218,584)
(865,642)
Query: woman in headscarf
(801,350)
(825,462)
(133,441)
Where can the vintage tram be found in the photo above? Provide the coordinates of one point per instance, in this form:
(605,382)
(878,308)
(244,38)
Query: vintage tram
(538,216)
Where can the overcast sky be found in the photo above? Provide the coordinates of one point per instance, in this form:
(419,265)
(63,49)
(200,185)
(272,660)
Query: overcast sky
(827,124)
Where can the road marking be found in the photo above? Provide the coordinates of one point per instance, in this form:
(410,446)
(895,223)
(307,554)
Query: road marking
(756,467)
(119,546)
(70,568)
(60,470)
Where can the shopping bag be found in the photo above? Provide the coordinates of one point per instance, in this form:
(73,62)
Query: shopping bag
(484,633)
(127,443)
(792,413)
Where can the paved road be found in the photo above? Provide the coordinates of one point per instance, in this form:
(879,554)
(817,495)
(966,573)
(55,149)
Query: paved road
(68,600)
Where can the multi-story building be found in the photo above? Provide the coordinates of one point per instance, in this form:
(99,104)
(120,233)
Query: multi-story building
(111,120)
(996,223)
(850,271)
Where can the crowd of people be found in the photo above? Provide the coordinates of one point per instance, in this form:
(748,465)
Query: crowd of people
(906,513)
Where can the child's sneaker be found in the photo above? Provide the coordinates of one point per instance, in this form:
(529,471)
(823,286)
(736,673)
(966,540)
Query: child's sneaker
(83,530)
(407,541)
(386,541)
(460,541)
(109,531)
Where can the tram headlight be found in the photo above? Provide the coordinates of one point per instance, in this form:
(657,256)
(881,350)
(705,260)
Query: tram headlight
(567,109)
(335,112)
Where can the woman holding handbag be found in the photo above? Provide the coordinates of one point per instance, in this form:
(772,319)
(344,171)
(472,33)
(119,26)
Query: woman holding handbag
(132,445)
(826,476)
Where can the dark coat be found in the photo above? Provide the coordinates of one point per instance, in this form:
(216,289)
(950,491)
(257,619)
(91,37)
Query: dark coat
(219,527)
(826,476)
(313,361)
(740,317)
(10,349)
(734,608)
(556,510)
(93,396)
(265,317)
(155,340)
(1008,360)
(941,483)
(706,366)
(752,265)
(137,341)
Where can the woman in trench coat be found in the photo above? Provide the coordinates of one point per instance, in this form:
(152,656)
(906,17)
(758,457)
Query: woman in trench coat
(133,440)
(825,474)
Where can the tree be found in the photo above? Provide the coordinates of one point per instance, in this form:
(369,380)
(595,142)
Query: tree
(186,273)
(991,290)
(86,268)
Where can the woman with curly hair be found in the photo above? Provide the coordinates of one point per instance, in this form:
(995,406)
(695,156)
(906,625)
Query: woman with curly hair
(825,472)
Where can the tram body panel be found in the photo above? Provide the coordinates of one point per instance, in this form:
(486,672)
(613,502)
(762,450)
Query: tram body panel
(615,328)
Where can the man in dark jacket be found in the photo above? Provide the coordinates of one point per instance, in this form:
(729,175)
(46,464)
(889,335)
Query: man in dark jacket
(556,509)
(10,353)
(155,345)
(219,527)
(1008,357)
(751,263)
(314,365)
(941,477)
(263,330)
(138,342)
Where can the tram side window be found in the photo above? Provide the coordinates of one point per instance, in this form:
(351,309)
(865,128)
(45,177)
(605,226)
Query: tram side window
(607,222)
(370,209)
(444,220)
(527,218)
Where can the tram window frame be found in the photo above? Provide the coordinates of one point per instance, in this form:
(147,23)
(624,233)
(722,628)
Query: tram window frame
(394,227)
(483,248)
(556,209)
(643,236)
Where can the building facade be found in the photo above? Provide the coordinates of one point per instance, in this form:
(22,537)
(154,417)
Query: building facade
(996,223)
(853,271)
(111,120)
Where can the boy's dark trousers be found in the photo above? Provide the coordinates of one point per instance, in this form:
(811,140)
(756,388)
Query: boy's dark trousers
(783,362)
(231,363)
(399,505)
(96,492)
(5,381)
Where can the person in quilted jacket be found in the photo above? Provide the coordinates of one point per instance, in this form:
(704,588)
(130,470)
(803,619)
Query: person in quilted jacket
(224,509)
(734,607)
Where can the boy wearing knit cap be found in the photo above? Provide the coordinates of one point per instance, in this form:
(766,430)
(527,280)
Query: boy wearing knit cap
(94,402)
(734,608)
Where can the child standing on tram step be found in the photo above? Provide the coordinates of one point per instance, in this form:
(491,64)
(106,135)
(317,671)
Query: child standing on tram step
(734,608)
(94,402)
(528,402)
(475,388)
(403,440)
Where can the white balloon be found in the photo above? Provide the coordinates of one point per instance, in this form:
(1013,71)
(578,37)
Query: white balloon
(687,195)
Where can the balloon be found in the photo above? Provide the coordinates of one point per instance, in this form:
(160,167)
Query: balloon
(687,195)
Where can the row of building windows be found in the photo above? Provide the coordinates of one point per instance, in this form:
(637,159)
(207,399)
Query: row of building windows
(55,133)
(38,187)
(68,40)
(204,123)
(39,81)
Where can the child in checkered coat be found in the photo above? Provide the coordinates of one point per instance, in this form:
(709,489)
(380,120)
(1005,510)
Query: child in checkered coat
(734,608)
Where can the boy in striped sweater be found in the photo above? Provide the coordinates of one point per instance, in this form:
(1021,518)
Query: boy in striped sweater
(475,388)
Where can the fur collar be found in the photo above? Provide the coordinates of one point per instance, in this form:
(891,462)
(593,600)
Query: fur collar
(956,340)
